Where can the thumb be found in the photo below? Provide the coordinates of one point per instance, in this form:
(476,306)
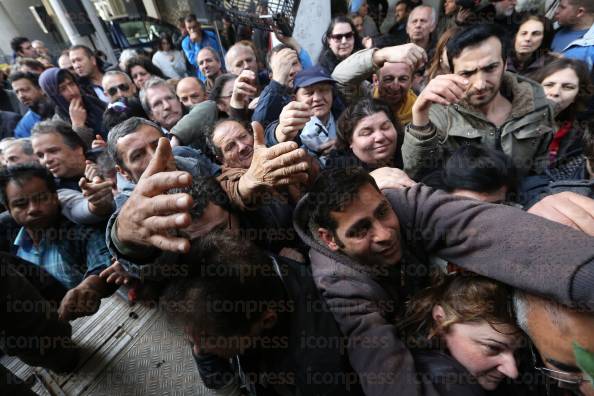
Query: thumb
(82,183)
(161,161)
(258,134)
(98,137)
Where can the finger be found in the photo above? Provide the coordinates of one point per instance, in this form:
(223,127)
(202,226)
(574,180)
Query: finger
(165,223)
(162,159)
(297,120)
(298,106)
(106,272)
(579,217)
(112,278)
(171,244)
(280,149)
(299,178)
(162,182)
(289,170)
(456,79)
(258,134)
(82,183)
(431,97)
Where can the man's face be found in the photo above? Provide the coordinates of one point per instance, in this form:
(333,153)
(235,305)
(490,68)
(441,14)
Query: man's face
(31,204)
(358,22)
(64,63)
(60,159)
(214,219)
(318,97)
(420,24)
(224,101)
(450,7)
(393,82)
(567,14)
(136,151)
(27,93)
(505,7)
(166,109)
(14,154)
(235,143)
(118,86)
(242,58)
(208,64)
(40,47)
(27,50)
(368,230)
(190,92)
(483,66)
(69,90)
(194,30)
(400,12)
(554,338)
(84,66)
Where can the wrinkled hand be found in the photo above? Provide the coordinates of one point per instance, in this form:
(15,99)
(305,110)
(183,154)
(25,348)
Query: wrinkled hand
(116,274)
(292,119)
(411,54)
(391,178)
(98,142)
(445,89)
(150,214)
(78,114)
(99,194)
(281,165)
(244,89)
(80,301)
(567,208)
(283,65)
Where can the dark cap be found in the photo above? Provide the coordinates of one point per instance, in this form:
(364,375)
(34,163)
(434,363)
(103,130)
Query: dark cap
(311,76)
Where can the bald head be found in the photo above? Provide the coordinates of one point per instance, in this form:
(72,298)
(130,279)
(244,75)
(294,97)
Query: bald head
(190,91)
(241,57)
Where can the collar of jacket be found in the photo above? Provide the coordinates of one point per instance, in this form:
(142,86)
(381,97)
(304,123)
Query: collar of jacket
(525,96)
(301,222)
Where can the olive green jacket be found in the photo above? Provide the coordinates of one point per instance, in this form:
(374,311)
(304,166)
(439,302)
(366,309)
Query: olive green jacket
(525,135)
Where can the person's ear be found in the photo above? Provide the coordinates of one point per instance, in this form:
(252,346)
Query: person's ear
(328,238)
(124,173)
(438,314)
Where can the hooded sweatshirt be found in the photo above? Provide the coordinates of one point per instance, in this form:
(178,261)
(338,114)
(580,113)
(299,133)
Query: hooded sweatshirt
(496,241)
(49,81)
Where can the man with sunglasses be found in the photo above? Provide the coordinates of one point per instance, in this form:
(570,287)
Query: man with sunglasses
(117,84)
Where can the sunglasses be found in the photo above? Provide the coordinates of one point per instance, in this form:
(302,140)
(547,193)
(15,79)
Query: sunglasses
(122,87)
(339,37)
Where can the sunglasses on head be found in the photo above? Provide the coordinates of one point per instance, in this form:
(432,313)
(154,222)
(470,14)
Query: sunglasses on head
(114,90)
(339,37)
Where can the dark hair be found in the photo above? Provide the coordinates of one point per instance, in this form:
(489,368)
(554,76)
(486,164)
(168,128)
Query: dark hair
(223,272)
(475,168)
(89,52)
(32,77)
(30,63)
(62,128)
(332,191)
(22,173)
(120,111)
(190,18)
(409,4)
(548,32)
(587,4)
(214,150)
(435,66)
(218,85)
(474,35)
(65,74)
(327,56)
(588,140)
(17,42)
(205,190)
(146,64)
(165,36)
(127,127)
(213,52)
(348,120)
(586,89)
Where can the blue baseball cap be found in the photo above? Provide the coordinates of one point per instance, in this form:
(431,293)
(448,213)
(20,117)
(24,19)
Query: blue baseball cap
(311,76)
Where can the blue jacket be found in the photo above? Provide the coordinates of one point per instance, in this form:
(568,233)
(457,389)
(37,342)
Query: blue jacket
(582,48)
(191,50)
(23,128)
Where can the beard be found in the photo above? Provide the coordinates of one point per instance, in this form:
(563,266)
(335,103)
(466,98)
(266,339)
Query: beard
(486,96)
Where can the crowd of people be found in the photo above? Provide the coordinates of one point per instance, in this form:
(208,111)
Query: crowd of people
(411,213)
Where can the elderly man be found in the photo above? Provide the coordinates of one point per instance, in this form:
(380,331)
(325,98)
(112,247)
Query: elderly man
(392,71)
(19,151)
(87,69)
(479,103)
(160,103)
(419,27)
(241,57)
(190,91)
(210,66)
(117,84)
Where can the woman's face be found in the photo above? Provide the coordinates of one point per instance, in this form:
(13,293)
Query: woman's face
(374,139)
(139,76)
(562,88)
(342,40)
(529,37)
(165,46)
(486,351)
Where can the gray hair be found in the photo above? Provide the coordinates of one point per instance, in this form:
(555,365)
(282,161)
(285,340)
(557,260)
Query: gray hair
(153,82)
(118,73)
(126,55)
(24,143)
(433,13)
(521,307)
(214,53)
(125,128)
(62,128)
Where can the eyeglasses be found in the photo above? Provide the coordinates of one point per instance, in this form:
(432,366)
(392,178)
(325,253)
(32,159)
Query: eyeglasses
(558,378)
(122,88)
(339,37)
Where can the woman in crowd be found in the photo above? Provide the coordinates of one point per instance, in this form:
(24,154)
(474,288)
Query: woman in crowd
(465,333)
(171,61)
(84,112)
(567,84)
(368,135)
(141,69)
(339,42)
(531,45)
(476,172)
